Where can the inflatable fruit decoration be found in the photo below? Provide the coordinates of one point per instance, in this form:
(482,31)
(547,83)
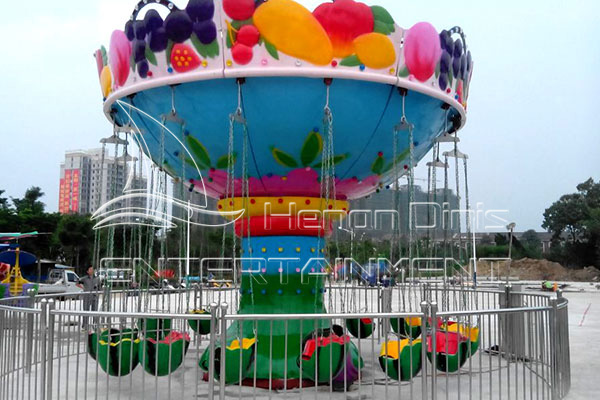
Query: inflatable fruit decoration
(375,50)
(293,30)
(239,9)
(118,56)
(248,35)
(422,50)
(106,81)
(344,21)
(183,58)
(241,53)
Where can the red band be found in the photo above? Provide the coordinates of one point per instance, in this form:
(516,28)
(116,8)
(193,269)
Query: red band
(281,226)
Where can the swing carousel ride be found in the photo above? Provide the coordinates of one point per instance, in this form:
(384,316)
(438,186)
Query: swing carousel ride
(283,116)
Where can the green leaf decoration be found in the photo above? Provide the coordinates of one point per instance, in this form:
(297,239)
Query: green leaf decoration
(284,158)
(170,45)
(450,77)
(198,151)
(403,73)
(150,55)
(377,166)
(313,145)
(399,158)
(104,55)
(272,50)
(336,160)
(223,161)
(381,14)
(383,28)
(350,61)
(437,70)
(191,163)
(205,50)
(228,42)
(237,24)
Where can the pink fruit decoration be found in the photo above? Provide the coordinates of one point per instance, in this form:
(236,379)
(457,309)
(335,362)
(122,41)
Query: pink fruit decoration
(241,53)
(239,9)
(99,61)
(119,56)
(248,35)
(422,50)
(344,21)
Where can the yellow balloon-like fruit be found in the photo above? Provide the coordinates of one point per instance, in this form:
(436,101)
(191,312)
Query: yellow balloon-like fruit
(106,81)
(293,30)
(375,50)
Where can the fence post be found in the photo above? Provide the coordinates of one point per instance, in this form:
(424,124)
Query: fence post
(223,346)
(29,334)
(44,343)
(425,311)
(50,348)
(211,354)
(553,337)
(433,309)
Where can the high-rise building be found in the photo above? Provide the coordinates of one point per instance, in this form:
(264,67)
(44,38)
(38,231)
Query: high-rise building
(88,179)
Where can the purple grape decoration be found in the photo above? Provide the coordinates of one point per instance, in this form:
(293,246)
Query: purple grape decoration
(458,48)
(206,31)
(445,62)
(143,68)
(158,40)
(200,10)
(139,50)
(129,30)
(139,28)
(153,21)
(463,67)
(443,80)
(456,67)
(178,26)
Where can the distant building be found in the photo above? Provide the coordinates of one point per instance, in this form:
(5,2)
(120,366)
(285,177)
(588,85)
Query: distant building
(88,180)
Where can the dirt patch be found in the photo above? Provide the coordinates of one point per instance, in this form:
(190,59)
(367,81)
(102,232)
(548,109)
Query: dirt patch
(530,269)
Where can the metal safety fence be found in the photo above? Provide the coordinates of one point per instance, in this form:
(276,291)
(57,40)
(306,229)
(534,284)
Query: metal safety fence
(427,342)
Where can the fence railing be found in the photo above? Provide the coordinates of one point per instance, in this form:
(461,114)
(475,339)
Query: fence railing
(476,344)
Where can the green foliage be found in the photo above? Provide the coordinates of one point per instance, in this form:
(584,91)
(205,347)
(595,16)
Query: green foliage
(574,221)
(76,236)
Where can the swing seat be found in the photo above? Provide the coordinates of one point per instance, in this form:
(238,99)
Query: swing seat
(93,337)
(153,328)
(407,327)
(451,351)
(468,331)
(360,328)
(161,358)
(401,359)
(323,355)
(201,327)
(117,352)
(238,360)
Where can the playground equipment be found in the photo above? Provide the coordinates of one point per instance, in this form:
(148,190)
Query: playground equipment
(283,115)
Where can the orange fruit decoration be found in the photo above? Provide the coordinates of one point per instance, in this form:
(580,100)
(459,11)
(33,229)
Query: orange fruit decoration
(106,81)
(375,50)
(293,30)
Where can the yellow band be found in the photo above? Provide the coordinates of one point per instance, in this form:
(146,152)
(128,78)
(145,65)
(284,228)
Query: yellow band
(259,206)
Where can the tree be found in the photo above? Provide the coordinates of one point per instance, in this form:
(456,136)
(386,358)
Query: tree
(30,202)
(531,243)
(577,215)
(76,235)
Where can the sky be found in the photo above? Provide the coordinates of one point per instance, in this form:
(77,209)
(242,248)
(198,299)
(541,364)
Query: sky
(531,135)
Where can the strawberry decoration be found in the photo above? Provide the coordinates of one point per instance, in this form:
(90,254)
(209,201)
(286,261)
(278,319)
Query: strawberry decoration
(184,58)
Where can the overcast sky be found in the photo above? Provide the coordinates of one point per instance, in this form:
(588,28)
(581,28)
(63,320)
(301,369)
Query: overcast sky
(532,132)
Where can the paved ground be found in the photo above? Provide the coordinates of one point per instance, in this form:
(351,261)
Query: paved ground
(585,342)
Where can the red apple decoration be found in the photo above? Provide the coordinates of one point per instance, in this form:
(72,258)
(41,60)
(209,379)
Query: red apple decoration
(344,21)
(241,53)
(248,35)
